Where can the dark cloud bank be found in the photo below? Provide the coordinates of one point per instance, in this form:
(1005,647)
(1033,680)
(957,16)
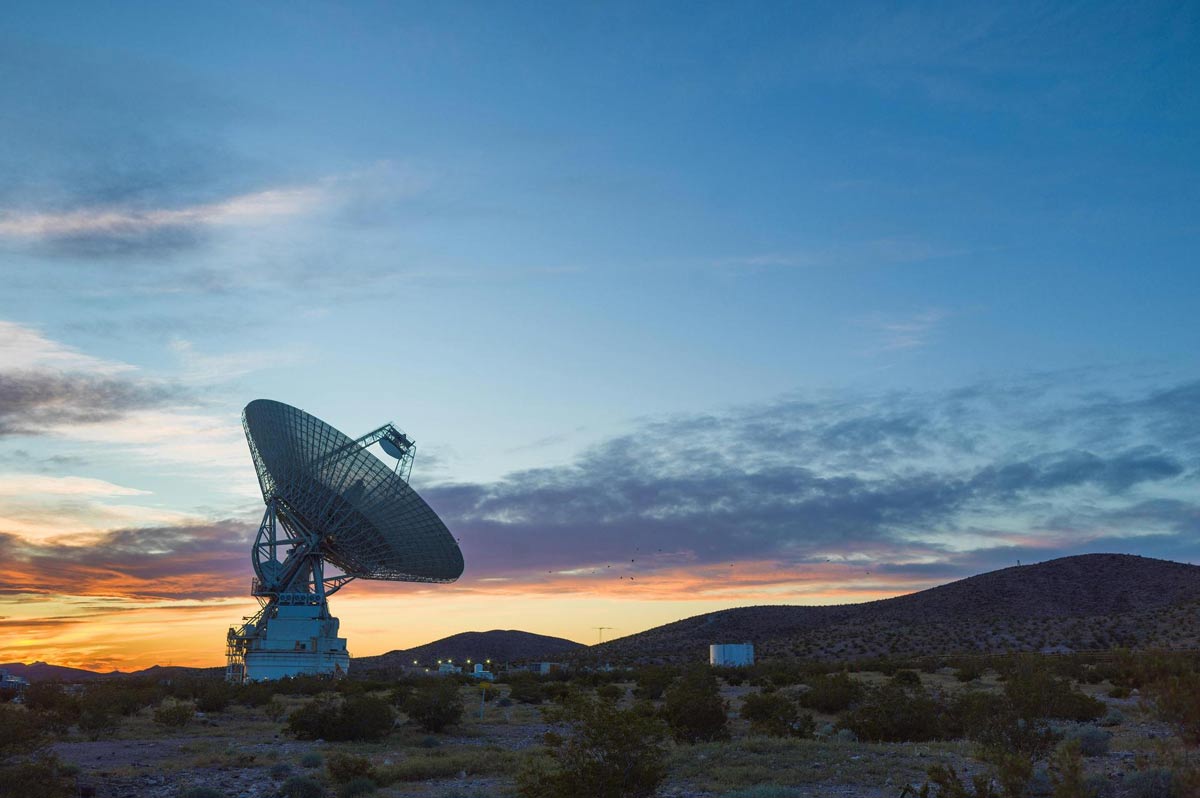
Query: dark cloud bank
(970,479)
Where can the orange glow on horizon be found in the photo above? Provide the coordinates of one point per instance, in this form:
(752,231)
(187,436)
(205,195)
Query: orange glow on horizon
(114,632)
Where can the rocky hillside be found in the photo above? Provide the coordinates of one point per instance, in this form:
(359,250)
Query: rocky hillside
(1091,601)
(497,645)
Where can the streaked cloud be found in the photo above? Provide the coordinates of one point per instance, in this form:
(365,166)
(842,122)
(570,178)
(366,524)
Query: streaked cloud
(117,222)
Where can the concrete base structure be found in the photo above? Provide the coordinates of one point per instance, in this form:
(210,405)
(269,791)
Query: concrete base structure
(299,640)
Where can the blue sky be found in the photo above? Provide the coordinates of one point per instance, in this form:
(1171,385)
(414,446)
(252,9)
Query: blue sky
(922,245)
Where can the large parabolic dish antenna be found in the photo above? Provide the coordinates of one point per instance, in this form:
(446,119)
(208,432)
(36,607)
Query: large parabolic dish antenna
(329,499)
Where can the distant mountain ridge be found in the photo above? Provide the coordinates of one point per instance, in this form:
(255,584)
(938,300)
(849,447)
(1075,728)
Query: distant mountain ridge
(1082,602)
(1089,601)
(498,645)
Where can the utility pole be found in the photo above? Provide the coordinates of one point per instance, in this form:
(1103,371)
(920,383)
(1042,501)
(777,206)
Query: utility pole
(600,632)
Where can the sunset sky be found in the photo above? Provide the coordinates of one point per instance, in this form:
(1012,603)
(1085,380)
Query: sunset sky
(686,305)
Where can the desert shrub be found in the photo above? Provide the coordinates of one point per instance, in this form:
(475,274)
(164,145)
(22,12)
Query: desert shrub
(311,760)
(42,777)
(213,695)
(609,692)
(345,768)
(1066,774)
(1114,717)
(95,720)
(21,730)
(777,715)
(357,787)
(1177,701)
(525,688)
(993,722)
(968,672)
(944,782)
(831,693)
(121,699)
(693,708)
(280,771)
(1092,741)
(275,709)
(1119,692)
(609,753)
(652,682)
(435,705)
(896,713)
(301,787)
(906,678)
(360,717)
(174,713)
(58,709)
(1036,692)
(1152,783)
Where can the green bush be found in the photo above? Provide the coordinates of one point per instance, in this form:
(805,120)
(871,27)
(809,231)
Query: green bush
(312,759)
(301,787)
(610,692)
(1036,692)
(43,777)
(357,717)
(280,771)
(610,753)
(21,731)
(1177,701)
(693,707)
(653,681)
(435,705)
(345,768)
(896,713)
(1092,741)
(174,713)
(525,688)
(275,709)
(831,693)
(992,721)
(968,672)
(95,716)
(777,715)
(906,678)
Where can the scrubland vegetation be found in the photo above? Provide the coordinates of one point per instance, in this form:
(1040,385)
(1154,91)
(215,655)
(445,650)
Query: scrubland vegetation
(999,727)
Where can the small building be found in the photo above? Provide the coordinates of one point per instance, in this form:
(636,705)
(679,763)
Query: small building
(12,683)
(731,655)
(544,668)
(448,667)
(480,673)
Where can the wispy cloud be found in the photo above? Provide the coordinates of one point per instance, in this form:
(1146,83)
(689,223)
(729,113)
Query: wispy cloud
(114,221)
(908,332)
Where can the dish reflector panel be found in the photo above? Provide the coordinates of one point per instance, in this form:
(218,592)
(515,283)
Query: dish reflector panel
(372,524)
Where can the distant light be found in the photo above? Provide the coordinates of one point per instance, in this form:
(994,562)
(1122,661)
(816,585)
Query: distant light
(414,662)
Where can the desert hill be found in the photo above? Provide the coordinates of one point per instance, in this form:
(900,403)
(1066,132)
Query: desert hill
(497,645)
(1090,601)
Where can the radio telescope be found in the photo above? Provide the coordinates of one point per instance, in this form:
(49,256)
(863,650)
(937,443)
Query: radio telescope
(330,501)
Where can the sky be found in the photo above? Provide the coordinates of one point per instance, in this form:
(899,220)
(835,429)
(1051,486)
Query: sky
(686,305)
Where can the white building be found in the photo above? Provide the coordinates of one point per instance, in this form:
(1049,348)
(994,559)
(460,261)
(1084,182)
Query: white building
(480,673)
(731,655)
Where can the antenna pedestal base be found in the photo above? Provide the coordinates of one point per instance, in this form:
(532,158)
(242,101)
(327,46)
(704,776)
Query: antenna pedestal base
(299,640)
